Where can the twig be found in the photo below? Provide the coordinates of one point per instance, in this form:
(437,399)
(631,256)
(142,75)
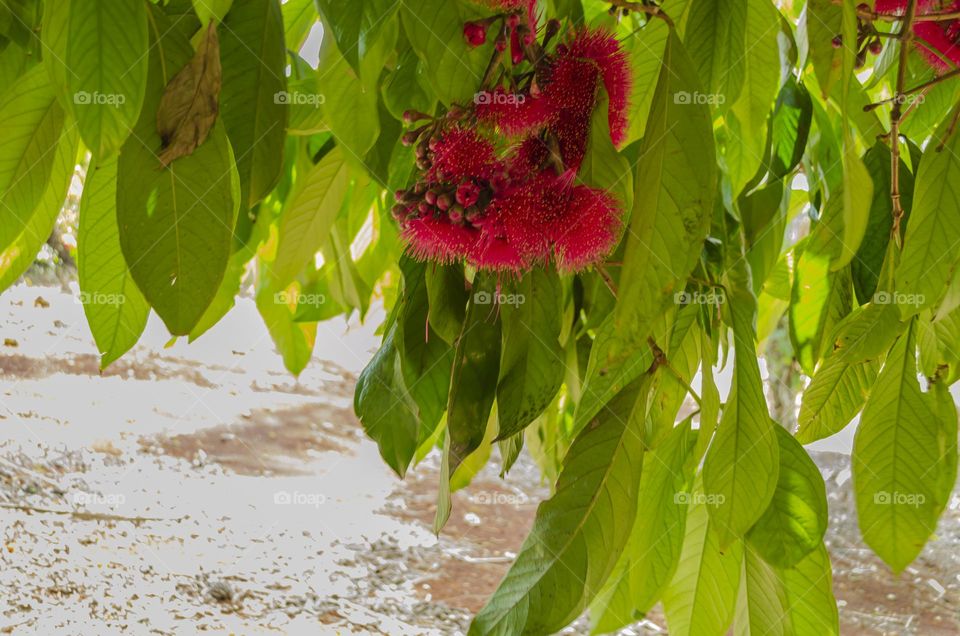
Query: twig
(651,10)
(660,361)
(916,89)
(872,16)
(86,516)
(895,116)
(609,281)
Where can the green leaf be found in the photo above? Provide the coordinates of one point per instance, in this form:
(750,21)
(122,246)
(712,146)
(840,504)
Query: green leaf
(176,223)
(715,37)
(20,253)
(475,371)
(929,258)
(743,458)
(252,107)
(822,21)
(760,602)
(650,558)
(894,452)
(868,263)
(603,167)
(796,520)
(868,332)
(385,408)
(33,124)
(299,16)
(837,392)
(447,292)
(425,359)
(116,310)
(761,82)
(309,215)
(435,31)
(811,609)
(355,25)
(579,532)
(673,204)
(818,300)
(97,56)
(532,362)
(700,598)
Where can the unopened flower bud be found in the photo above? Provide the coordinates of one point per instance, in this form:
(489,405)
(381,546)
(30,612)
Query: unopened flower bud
(475,33)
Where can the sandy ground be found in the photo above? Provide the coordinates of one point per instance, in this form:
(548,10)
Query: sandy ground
(200,488)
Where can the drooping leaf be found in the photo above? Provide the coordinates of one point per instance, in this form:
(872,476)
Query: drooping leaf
(838,391)
(190,103)
(116,310)
(447,293)
(700,599)
(476,366)
(97,57)
(532,362)
(211,9)
(715,37)
(651,555)
(33,124)
(176,222)
(796,520)
(894,451)
(811,609)
(579,532)
(760,601)
(309,214)
(252,107)
(929,258)
(673,205)
(355,25)
(741,465)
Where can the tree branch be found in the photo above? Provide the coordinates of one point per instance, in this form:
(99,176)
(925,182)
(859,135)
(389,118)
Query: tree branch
(896,113)
(652,10)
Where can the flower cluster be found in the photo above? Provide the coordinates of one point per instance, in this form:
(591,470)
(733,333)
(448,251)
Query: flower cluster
(498,181)
(939,41)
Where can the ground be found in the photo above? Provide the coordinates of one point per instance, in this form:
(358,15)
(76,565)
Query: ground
(202,488)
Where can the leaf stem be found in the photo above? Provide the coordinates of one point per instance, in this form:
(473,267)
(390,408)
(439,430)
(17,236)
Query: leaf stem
(896,113)
(916,89)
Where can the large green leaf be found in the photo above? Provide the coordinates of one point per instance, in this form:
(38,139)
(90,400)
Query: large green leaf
(116,310)
(385,408)
(896,452)
(579,532)
(425,359)
(603,167)
(309,214)
(20,253)
(740,466)
(252,104)
(699,601)
(33,123)
(672,204)
(651,555)
(760,602)
(933,232)
(822,23)
(176,223)
(796,520)
(355,25)
(97,55)
(476,367)
(811,609)
(532,363)
(715,37)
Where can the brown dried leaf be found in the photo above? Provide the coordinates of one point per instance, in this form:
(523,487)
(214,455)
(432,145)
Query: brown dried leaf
(191,101)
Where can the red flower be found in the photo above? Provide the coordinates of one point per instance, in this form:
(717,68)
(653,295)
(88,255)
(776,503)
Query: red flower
(939,41)
(589,231)
(460,153)
(439,240)
(604,50)
(515,114)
